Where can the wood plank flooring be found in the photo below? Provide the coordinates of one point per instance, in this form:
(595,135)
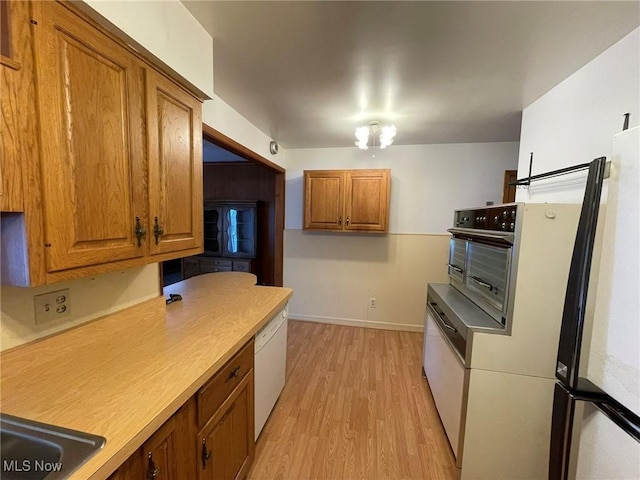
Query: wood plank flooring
(355,406)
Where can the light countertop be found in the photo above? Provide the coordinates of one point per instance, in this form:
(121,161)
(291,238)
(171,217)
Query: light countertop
(124,375)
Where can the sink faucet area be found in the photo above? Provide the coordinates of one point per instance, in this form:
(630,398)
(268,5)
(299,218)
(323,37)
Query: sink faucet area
(33,450)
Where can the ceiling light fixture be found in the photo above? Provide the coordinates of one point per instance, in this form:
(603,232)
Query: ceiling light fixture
(382,135)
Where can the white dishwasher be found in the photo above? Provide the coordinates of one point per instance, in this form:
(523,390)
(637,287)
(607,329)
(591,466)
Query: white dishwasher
(270,366)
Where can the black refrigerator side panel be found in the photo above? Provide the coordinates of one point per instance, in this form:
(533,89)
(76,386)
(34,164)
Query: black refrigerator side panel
(561,432)
(573,315)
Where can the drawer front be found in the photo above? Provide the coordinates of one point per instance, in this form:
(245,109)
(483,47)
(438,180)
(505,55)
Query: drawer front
(215,262)
(212,265)
(214,269)
(446,377)
(190,268)
(216,390)
(240,266)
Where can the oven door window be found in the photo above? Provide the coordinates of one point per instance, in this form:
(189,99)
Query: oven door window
(488,272)
(457,255)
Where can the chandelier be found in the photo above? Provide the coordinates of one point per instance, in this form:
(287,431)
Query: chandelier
(381,135)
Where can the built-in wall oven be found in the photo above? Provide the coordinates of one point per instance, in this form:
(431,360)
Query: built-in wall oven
(491,335)
(480,257)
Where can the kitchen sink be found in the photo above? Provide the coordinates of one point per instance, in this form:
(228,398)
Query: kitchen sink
(33,451)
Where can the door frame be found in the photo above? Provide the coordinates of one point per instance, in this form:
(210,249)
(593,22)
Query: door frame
(221,140)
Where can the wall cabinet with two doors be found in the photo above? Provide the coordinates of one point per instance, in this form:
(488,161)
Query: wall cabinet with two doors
(112,165)
(347,200)
(211,437)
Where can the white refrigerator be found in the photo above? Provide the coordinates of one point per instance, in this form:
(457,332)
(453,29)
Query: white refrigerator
(596,417)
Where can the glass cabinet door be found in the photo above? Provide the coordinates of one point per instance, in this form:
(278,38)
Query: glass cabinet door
(212,231)
(240,231)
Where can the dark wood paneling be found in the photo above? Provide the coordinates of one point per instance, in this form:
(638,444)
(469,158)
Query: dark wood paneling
(253,182)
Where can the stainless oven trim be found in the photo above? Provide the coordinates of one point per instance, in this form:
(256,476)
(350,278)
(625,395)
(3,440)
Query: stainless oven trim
(507,237)
(467,378)
(457,276)
(440,322)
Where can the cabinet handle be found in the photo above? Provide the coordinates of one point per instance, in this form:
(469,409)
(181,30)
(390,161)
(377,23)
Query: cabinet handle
(456,268)
(152,471)
(140,231)
(205,454)
(340,220)
(482,283)
(234,373)
(348,220)
(157,230)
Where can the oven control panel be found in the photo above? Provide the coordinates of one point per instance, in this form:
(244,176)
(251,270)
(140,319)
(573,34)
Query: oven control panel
(501,218)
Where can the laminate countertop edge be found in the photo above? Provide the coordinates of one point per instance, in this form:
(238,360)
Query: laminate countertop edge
(126,374)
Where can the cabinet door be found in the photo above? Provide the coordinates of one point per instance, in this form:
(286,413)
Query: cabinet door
(323,200)
(132,469)
(160,453)
(239,231)
(175,166)
(367,200)
(212,233)
(90,107)
(227,443)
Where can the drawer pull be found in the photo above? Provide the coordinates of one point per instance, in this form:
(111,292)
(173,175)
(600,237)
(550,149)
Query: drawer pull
(152,471)
(205,454)
(455,267)
(234,373)
(482,283)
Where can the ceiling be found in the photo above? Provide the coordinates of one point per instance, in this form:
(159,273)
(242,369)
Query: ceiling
(308,72)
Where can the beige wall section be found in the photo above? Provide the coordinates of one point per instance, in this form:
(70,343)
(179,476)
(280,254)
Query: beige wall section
(334,275)
(89,299)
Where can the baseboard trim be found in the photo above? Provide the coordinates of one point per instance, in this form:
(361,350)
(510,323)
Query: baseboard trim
(351,322)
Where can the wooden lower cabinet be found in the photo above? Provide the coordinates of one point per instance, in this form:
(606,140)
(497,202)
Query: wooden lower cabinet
(210,437)
(227,446)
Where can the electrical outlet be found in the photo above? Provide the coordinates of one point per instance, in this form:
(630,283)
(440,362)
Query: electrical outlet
(373,303)
(52,306)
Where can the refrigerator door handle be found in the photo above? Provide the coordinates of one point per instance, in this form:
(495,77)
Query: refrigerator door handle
(573,315)
(564,406)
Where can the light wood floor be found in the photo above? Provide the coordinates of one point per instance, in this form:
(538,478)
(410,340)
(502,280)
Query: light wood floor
(355,406)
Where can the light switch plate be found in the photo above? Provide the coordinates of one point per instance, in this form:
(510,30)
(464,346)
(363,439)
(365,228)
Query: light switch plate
(52,306)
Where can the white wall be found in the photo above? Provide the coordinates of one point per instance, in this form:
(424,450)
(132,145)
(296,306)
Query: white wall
(219,115)
(575,122)
(428,181)
(334,275)
(169,31)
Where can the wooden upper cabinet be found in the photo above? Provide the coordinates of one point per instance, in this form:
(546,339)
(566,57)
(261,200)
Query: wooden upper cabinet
(100,141)
(367,200)
(347,200)
(175,166)
(91,112)
(323,200)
